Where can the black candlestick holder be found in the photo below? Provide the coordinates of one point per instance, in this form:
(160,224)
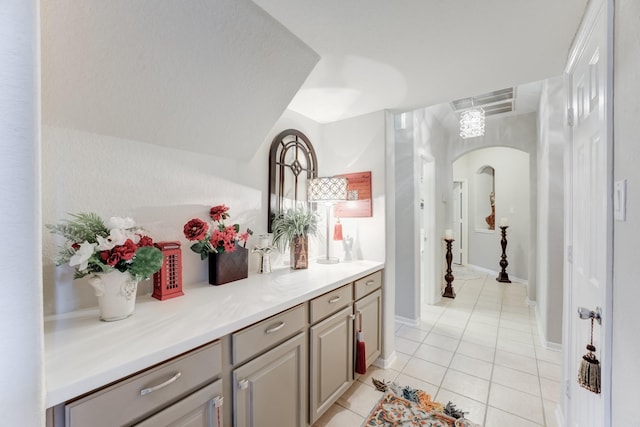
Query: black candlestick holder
(448,290)
(503,276)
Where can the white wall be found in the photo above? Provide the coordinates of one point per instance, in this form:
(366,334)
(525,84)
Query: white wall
(511,201)
(22,381)
(550,212)
(357,145)
(626,292)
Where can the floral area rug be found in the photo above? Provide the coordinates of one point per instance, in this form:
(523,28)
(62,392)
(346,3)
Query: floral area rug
(407,407)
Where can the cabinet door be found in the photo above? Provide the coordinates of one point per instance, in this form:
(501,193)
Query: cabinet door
(331,350)
(371,309)
(200,409)
(271,390)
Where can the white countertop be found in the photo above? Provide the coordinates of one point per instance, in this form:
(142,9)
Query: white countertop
(82,353)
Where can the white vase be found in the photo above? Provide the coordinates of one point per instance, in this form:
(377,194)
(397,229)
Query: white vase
(116,292)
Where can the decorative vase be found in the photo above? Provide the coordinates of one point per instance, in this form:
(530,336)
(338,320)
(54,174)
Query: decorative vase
(299,250)
(228,266)
(116,292)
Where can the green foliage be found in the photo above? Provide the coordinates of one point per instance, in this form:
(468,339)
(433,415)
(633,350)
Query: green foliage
(83,226)
(147,261)
(291,223)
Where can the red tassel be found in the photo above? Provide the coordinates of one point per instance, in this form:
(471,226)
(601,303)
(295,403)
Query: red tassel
(361,354)
(337,230)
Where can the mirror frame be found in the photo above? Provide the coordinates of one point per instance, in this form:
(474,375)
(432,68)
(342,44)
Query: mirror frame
(290,139)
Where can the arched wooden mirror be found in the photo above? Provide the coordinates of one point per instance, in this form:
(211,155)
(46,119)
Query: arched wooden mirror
(292,162)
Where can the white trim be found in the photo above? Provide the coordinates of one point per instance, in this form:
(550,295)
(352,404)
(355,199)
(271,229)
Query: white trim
(407,321)
(386,363)
(559,415)
(532,304)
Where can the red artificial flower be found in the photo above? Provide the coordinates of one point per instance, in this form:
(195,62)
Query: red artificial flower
(195,229)
(75,246)
(126,251)
(145,241)
(229,246)
(244,237)
(219,213)
(110,258)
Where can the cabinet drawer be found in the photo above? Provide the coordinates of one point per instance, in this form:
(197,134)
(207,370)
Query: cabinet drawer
(368,284)
(201,408)
(133,399)
(329,303)
(263,335)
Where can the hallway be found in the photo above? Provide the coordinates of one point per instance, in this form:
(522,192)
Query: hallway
(480,351)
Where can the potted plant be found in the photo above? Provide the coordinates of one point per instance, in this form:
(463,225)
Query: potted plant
(228,261)
(116,254)
(292,227)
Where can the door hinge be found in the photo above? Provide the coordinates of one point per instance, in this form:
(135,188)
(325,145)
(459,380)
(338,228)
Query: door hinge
(570,116)
(570,254)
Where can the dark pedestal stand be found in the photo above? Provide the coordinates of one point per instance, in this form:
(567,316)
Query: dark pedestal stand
(448,291)
(503,276)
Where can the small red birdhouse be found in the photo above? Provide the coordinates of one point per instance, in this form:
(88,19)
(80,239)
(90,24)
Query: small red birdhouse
(167,282)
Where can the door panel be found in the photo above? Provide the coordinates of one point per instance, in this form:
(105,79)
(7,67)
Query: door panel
(589,217)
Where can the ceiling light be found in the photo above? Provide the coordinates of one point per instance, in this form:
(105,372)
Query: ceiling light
(472,123)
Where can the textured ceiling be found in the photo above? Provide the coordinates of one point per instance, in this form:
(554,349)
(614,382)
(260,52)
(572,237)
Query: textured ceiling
(405,54)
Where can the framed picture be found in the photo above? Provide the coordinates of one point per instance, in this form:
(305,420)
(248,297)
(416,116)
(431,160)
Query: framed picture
(359,202)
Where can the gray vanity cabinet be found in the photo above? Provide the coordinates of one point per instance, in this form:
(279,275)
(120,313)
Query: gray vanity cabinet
(330,349)
(270,374)
(270,390)
(370,308)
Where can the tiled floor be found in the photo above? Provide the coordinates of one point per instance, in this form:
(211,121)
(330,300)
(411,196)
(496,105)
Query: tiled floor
(480,351)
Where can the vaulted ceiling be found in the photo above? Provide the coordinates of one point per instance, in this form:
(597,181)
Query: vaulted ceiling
(404,54)
(214,76)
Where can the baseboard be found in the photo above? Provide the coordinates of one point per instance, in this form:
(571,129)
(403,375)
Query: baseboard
(531,303)
(386,363)
(546,344)
(495,273)
(407,321)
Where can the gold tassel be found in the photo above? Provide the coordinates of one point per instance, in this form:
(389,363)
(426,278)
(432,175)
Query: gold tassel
(589,373)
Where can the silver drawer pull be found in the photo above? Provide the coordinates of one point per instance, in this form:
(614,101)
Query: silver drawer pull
(146,391)
(370,282)
(243,384)
(275,328)
(334,300)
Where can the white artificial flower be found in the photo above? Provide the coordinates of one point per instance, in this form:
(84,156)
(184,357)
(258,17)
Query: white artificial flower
(121,223)
(116,237)
(82,255)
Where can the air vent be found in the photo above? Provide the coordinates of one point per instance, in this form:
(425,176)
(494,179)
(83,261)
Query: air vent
(496,102)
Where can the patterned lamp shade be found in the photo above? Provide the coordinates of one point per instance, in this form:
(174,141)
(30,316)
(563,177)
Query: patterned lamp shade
(327,189)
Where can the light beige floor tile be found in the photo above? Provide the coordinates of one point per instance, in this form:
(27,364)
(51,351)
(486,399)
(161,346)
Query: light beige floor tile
(360,399)
(516,379)
(442,328)
(517,402)
(516,347)
(477,319)
(441,341)
(471,366)
(433,354)
(400,361)
(408,381)
(523,325)
(525,337)
(487,340)
(467,385)
(338,416)
(482,328)
(550,370)
(411,333)
(550,413)
(406,346)
(476,351)
(550,389)
(474,410)
(498,418)
(516,361)
(550,356)
(424,371)
(379,374)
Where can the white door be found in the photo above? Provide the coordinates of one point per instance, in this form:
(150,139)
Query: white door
(457,222)
(589,215)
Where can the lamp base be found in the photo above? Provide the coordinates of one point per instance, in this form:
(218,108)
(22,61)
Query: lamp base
(328,260)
